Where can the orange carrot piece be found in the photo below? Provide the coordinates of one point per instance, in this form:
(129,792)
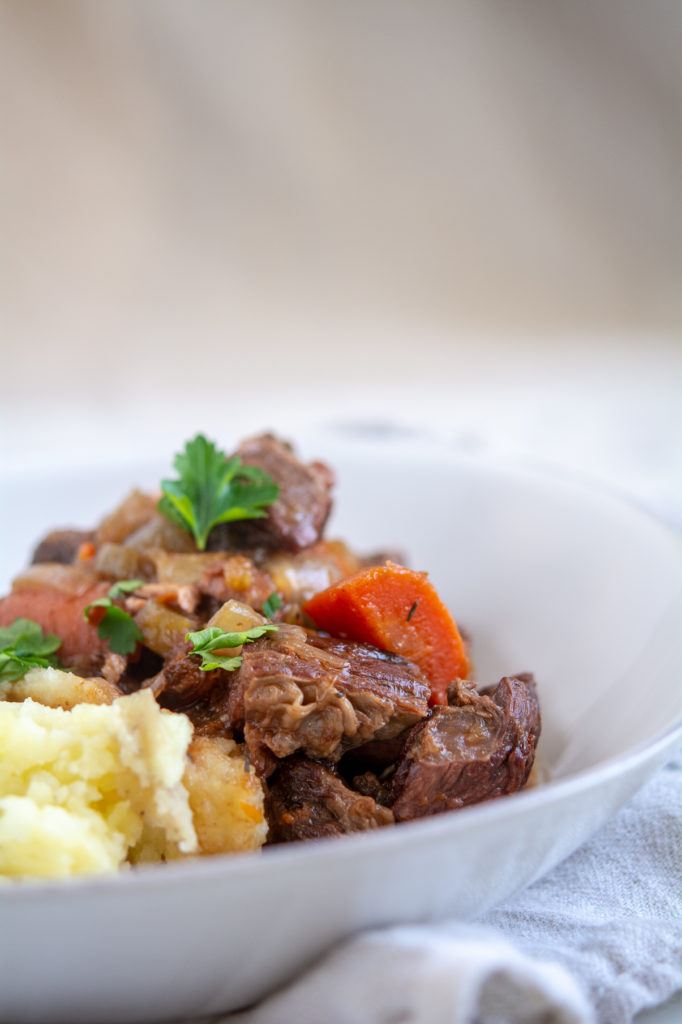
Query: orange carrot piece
(86,550)
(396,609)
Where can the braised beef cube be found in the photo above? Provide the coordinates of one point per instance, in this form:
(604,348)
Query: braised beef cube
(205,697)
(306,800)
(297,518)
(61,546)
(370,784)
(182,682)
(377,756)
(379,753)
(480,747)
(300,690)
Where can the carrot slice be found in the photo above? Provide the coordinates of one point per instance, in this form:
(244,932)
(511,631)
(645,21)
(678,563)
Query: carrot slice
(396,609)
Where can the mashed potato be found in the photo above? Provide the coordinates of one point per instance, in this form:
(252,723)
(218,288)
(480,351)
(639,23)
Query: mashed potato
(80,790)
(87,787)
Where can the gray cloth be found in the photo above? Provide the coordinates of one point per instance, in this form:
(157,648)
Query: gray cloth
(594,942)
(612,913)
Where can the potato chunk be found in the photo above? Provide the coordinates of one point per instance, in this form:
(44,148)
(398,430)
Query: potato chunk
(225,796)
(56,689)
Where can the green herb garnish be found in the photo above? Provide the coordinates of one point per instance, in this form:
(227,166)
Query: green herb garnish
(213,489)
(24,646)
(122,587)
(412,611)
(271,604)
(207,642)
(116,626)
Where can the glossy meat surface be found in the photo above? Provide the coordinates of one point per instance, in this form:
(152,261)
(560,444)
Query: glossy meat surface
(305,692)
(480,747)
(297,518)
(307,800)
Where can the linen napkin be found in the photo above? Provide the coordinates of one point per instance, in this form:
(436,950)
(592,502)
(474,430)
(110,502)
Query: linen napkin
(594,942)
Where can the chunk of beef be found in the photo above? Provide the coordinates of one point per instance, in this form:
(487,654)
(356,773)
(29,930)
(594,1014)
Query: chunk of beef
(377,755)
(369,784)
(61,546)
(299,690)
(306,800)
(480,748)
(296,519)
(182,683)
(203,696)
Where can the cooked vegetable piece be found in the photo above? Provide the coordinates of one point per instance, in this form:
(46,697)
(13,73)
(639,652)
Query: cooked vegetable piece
(159,532)
(297,576)
(398,610)
(122,562)
(177,567)
(163,630)
(133,512)
(235,617)
(57,689)
(213,489)
(225,796)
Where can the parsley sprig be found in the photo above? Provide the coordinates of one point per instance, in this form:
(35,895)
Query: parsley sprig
(24,646)
(213,489)
(207,643)
(115,625)
(272,604)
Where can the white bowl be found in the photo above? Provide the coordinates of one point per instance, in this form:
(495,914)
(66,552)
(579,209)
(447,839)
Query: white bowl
(547,576)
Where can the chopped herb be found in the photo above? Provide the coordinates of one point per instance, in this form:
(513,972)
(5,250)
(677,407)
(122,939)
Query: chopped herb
(412,611)
(213,489)
(24,646)
(115,625)
(207,642)
(271,605)
(124,587)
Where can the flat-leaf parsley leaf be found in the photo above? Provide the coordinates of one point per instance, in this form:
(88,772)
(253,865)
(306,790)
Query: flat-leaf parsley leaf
(213,489)
(271,604)
(122,587)
(208,642)
(24,646)
(115,625)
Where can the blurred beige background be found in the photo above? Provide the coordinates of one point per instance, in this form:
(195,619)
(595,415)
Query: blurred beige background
(234,213)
